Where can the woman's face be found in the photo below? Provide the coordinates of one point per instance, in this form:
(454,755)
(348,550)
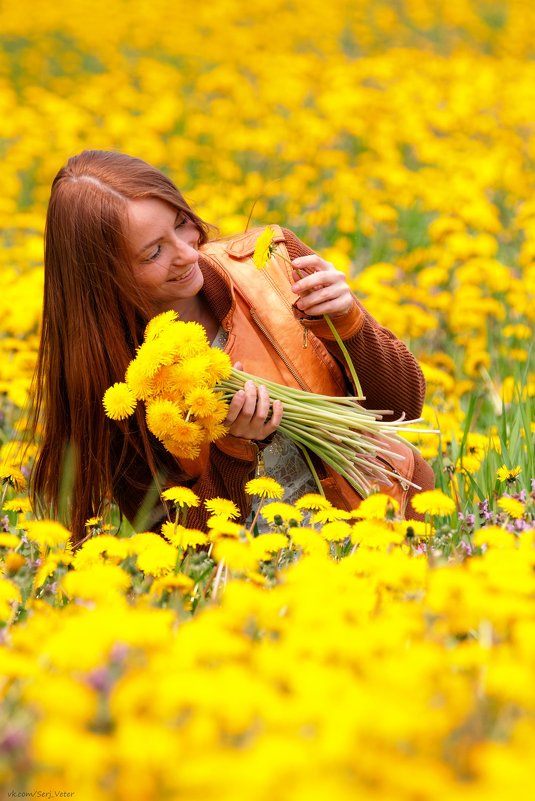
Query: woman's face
(164,247)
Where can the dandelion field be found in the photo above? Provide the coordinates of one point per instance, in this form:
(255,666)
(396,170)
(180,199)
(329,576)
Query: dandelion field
(332,656)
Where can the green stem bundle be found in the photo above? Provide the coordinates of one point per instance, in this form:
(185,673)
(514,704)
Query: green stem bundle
(339,430)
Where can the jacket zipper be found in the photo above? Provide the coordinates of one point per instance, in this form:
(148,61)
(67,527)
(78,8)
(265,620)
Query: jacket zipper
(260,464)
(280,353)
(405,485)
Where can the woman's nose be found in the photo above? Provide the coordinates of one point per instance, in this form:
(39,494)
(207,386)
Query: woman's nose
(186,251)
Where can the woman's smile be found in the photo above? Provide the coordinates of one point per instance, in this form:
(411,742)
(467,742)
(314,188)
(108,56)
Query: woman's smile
(185,276)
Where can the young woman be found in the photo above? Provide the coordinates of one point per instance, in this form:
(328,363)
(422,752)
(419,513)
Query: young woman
(121,245)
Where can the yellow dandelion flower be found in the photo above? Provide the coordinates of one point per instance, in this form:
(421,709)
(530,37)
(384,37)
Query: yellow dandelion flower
(187,432)
(470,463)
(375,534)
(312,502)
(477,444)
(285,511)
(520,331)
(97,550)
(93,522)
(189,339)
(237,555)
(13,562)
(154,354)
(48,533)
(264,248)
(181,496)
(202,402)
(182,450)
(161,382)
(96,583)
(214,430)
(140,380)
(9,474)
(511,506)
(266,545)
(336,531)
(187,375)
(9,541)
(223,527)
(223,507)
(158,559)
(119,401)
(184,584)
(508,474)
(219,414)
(413,528)
(138,543)
(182,537)
(163,417)
(330,515)
(50,565)
(9,595)
(160,324)
(219,365)
(265,487)
(433,502)
(309,541)
(17,505)
(377,506)
(494,537)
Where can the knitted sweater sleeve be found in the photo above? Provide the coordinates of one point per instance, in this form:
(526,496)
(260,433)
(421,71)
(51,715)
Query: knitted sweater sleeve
(390,376)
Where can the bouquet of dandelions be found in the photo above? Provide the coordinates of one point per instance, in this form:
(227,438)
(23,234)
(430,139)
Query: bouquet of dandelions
(186,386)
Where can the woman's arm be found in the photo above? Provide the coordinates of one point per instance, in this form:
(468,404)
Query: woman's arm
(390,376)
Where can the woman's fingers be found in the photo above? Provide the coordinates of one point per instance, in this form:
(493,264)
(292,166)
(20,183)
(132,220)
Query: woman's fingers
(249,414)
(322,289)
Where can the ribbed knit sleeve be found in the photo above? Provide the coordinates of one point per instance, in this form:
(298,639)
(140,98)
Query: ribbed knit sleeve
(390,376)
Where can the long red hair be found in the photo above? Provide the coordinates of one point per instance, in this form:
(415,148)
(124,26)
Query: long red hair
(94,314)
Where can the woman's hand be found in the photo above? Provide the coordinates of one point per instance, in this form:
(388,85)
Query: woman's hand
(249,412)
(322,289)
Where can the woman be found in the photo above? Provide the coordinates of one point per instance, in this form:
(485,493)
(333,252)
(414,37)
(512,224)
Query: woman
(121,245)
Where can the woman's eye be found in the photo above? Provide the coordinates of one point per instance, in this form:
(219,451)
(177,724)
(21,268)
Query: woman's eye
(153,256)
(182,221)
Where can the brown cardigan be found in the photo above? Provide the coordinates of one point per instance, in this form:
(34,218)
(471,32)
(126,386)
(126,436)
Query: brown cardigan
(390,379)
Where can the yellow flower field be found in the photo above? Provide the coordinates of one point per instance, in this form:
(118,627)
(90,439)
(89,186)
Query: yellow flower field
(348,656)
